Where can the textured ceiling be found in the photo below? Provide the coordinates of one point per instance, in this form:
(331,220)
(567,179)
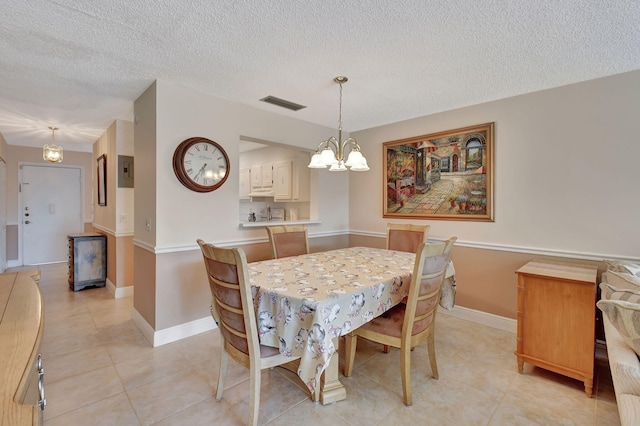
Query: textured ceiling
(80,64)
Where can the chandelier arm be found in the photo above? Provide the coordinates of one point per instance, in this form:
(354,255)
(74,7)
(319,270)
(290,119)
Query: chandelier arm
(333,141)
(350,141)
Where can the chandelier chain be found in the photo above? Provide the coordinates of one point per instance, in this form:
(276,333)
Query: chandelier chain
(340,110)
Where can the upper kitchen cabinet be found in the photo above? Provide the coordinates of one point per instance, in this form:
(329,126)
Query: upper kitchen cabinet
(282,181)
(275,172)
(261,176)
(275,176)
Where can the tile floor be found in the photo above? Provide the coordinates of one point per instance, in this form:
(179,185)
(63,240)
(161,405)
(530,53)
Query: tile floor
(100,370)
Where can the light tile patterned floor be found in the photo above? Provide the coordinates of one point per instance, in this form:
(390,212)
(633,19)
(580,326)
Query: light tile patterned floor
(99,370)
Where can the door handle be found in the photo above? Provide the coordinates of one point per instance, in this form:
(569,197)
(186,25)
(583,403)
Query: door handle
(27,222)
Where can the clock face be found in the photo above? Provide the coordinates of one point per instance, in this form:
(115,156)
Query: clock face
(201,164)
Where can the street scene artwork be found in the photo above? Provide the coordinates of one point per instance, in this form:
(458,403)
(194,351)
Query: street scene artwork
(445,175)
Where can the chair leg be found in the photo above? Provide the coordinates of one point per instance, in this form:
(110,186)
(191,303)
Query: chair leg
(405,367)
(432,355)
(222,374)
(350,342)
(254,395)
(385,349)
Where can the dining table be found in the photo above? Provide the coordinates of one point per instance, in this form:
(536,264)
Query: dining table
(305,303)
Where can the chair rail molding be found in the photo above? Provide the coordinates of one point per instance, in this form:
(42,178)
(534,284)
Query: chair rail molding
(516,249)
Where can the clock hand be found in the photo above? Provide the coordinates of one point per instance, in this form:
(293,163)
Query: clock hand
(200,172)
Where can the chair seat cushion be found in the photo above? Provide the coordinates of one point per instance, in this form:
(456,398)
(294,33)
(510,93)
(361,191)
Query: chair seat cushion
(390,323)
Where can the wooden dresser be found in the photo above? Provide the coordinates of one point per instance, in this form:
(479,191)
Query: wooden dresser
(556,319)
(21,327)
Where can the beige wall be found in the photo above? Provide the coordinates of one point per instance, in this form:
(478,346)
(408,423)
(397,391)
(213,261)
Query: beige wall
(144,135)
(564,160)
(565,166)
(186,296)
(144,277)
(3,148)
(166,115)
(116,218)
(182,216)
(144,273)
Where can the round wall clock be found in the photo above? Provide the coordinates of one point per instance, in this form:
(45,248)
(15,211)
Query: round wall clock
(200,164)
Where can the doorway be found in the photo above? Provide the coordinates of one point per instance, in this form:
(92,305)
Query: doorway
(51,207)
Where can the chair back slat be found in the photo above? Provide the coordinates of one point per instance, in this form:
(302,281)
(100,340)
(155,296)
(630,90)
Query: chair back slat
(288,240)
(290,244)
(426,285)
(406,237)
(226,269)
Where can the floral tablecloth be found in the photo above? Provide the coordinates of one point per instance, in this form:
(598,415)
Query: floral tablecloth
(304,302)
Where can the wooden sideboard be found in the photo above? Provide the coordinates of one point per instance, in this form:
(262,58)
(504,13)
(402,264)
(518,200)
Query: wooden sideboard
(556,319)
(21,327)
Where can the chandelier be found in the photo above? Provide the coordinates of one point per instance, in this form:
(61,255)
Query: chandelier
(52,153)
(330,153)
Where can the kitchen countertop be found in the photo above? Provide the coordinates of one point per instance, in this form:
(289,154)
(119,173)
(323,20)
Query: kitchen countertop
(247,224)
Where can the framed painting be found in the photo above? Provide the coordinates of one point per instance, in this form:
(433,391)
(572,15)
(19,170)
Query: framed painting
(102,180)
(446,175)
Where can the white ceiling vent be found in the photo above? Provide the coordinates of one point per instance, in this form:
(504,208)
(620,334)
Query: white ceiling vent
(282,103)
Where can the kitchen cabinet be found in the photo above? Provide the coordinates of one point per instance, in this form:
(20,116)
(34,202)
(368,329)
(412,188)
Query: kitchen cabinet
(291,181)
(261,176)
(267,175)
(282,190)
(300,180)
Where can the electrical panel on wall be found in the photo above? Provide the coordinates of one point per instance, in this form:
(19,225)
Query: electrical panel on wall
(125,171)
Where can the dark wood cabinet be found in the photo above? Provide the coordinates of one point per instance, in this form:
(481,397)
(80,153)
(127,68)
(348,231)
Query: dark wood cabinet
(87,260)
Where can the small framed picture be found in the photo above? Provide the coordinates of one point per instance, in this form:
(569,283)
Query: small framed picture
(102,180)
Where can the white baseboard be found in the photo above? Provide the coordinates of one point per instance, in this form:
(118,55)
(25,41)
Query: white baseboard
(484,318)
(172,334)
(13,263)
(119,292)
(142,324)
(123,292)
(182,331)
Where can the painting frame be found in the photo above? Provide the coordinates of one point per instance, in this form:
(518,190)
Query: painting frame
(447,175)
(102,180)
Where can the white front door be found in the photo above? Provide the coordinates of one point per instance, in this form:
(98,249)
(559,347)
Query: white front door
(51,209)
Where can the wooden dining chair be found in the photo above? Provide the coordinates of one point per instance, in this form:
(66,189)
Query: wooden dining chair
(406,237)
(232,309)
(288,240)
(407,325)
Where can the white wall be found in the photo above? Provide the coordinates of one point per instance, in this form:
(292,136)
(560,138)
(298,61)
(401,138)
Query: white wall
(183,215)
(567,170)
